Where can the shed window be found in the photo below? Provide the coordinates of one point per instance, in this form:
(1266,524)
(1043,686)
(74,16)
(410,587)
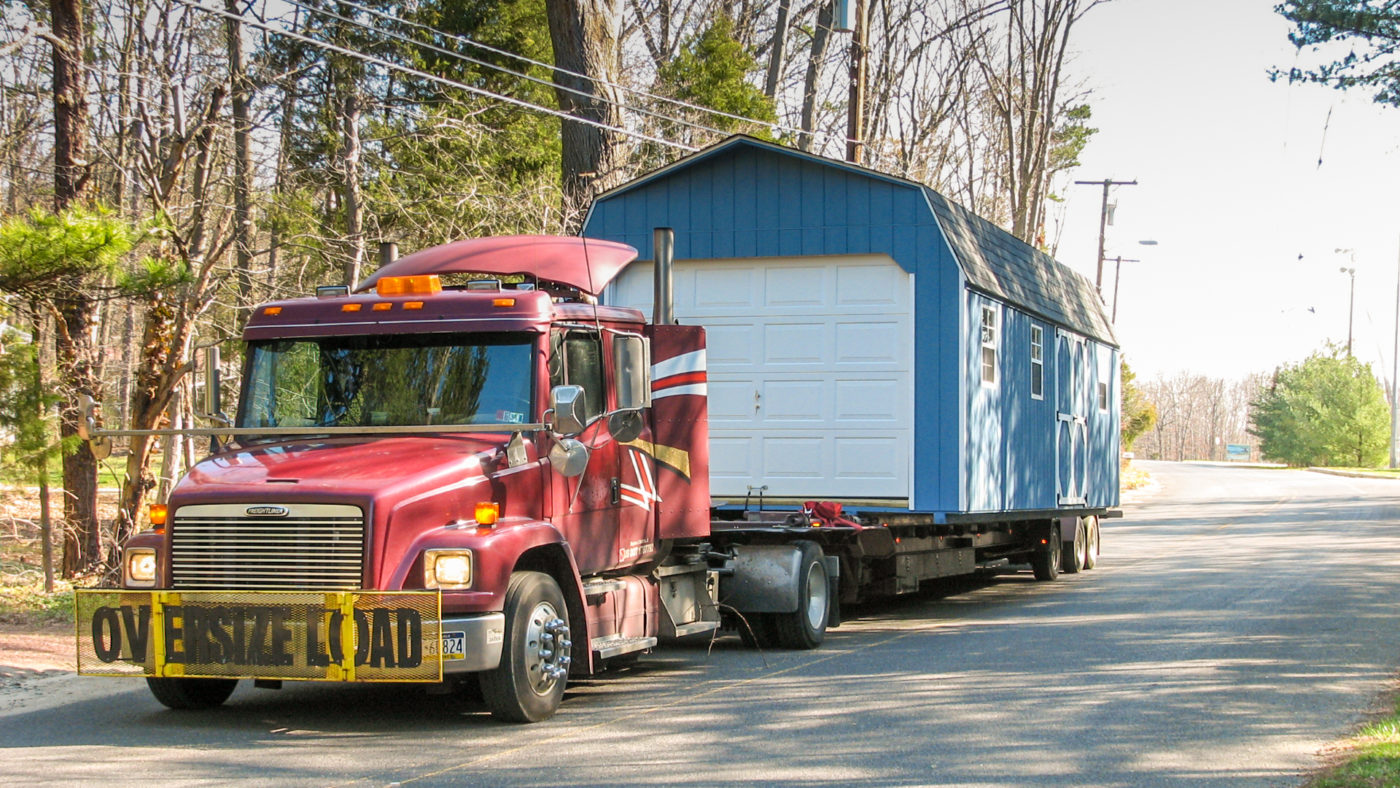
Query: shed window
(989,344)
(1037,362)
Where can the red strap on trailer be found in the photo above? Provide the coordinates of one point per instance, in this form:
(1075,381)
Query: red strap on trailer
(828,513)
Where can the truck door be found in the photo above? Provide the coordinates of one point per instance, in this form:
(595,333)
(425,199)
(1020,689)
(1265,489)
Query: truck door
(1071,419)
(606,513)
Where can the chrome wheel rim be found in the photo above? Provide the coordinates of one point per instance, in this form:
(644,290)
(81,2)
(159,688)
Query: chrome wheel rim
(546,648)
(816,595)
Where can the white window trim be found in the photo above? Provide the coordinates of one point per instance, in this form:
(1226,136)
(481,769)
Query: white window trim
(988,309)
(1037,333)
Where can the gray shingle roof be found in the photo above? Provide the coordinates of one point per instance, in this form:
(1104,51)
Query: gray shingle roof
(1001,265)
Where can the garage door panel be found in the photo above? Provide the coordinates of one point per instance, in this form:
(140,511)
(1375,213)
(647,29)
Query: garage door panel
(872,458)
(868,401)
(731,461)
(794,458)
(794,343)
(794,400)
(869,343)
(731,401)
(724,287)
(795,286)
(867,285)
(730,345)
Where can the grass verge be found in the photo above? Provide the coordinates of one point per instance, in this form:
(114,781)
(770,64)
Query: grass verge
(1369,759)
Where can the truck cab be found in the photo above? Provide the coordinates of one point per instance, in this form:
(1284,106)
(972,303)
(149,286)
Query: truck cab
(502,443)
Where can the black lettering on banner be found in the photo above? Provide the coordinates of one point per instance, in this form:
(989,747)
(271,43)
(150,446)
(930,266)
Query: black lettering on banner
(107,648)
(333,637)
(174,633)
(361,638)
(218,629)
(137,622)
(256,654)
(316,656)
(239,617)
(281,636)
(195,650)
(381,651)
(410,631)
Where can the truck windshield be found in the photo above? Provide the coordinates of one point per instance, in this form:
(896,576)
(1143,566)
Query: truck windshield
(388,381)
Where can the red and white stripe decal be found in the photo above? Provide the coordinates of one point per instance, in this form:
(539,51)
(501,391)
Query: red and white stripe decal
(683,374)
(644,494)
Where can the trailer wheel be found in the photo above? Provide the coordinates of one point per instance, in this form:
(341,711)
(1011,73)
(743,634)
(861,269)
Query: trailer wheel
(1072,557)
(1045,561)
(1091,552)
(528,685)
(191,693)
(805,628)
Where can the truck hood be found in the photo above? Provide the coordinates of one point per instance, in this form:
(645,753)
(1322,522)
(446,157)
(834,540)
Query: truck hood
(343,468)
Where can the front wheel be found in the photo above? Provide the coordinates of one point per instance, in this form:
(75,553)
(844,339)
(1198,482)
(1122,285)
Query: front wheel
(191,693)
(528,685)
(805,628)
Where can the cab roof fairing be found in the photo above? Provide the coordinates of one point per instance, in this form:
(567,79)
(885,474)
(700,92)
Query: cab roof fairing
(585,264)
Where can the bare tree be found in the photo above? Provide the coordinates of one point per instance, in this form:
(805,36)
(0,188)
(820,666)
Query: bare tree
(587,40)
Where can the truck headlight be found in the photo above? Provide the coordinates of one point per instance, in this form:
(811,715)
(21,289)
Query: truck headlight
(450,569)
(139,567)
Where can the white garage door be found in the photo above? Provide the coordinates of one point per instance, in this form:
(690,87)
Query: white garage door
(810,371)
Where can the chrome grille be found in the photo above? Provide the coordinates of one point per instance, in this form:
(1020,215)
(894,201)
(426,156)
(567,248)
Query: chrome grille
(315,547)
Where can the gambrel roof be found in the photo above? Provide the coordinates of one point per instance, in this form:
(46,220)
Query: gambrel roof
(746,197)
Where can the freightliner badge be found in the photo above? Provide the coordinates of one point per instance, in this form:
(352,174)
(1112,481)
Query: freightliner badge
(337,636)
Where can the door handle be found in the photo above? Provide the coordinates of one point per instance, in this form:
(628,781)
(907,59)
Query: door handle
(616,492)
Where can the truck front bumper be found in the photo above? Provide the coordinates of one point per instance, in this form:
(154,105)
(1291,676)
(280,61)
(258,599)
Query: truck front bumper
(472,643)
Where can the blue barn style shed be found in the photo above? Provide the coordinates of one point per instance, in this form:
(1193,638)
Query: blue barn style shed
(873,342)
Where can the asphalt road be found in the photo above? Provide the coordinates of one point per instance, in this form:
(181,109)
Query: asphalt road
(1239,621)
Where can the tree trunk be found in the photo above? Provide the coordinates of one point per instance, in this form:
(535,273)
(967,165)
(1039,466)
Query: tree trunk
(73,334)
(820,37)
(586,38)
(777,50)
(243,230)
(354,200)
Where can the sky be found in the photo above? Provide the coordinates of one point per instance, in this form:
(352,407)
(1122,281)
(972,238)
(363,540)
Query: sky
(1245,274)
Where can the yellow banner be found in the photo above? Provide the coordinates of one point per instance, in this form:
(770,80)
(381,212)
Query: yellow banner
(332,636)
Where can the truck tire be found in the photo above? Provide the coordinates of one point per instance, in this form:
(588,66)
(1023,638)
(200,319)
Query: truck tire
(805,628)
(1045,561)
(528,685)
(191,693)
(1072,556)
(1091,552)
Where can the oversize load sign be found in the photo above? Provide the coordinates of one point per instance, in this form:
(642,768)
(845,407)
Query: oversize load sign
(340,636)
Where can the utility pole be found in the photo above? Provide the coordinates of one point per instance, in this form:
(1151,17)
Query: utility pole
(1395,377)
(1118,274)
(855,119)
(1103,220)
(1351,305)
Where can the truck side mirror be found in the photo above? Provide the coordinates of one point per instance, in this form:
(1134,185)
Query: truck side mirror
(632,368)
(568,404)
(211,404)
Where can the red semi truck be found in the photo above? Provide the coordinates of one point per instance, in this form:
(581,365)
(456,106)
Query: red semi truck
(497,478)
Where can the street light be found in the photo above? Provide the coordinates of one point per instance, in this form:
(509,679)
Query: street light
(1351,307)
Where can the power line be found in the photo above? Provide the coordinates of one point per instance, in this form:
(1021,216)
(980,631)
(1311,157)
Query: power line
(435,78)
(636,91)
(512,72)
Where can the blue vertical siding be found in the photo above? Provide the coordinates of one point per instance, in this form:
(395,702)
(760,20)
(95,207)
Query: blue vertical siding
(976,448)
